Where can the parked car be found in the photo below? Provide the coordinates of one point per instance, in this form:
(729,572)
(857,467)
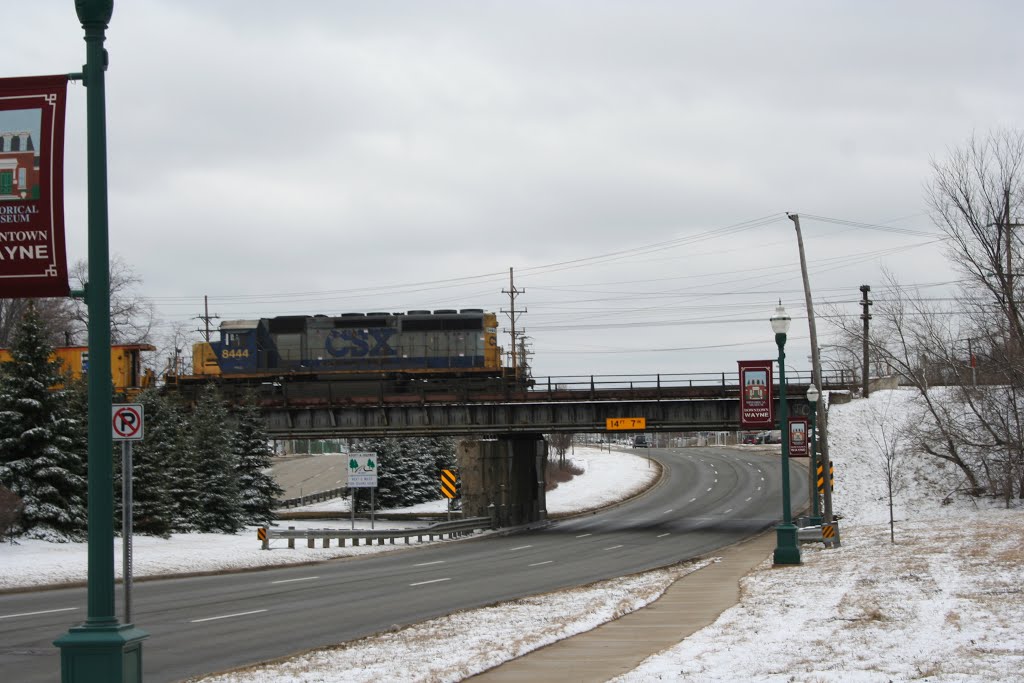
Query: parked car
(640,442)
(751,439)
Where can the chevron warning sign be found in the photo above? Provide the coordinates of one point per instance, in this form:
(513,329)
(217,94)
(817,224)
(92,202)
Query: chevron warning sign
(261,533)
(831,478)
(448,488)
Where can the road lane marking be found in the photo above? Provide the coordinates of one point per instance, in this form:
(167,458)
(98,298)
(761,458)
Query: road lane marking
(692,499)
(664,535)
(522,547)
(727,511)
(613,547)
(427,564)
(748,499)
(710,488)
(424,583)
(32,614)
(584,535)
(666,512)
(307,578)
(228,616)
(537,564)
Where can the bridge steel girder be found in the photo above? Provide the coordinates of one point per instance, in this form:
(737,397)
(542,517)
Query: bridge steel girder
(484,419)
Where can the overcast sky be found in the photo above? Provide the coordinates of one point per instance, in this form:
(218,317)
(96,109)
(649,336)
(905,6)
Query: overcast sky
(632,161)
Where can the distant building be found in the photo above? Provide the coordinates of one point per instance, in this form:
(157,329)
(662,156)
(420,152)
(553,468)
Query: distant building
(19,166)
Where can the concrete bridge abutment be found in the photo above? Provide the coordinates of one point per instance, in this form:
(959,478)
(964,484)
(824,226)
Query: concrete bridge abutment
(507,472)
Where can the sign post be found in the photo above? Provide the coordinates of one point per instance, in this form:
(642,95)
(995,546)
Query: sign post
(128,420)
(448,488)
(362,473)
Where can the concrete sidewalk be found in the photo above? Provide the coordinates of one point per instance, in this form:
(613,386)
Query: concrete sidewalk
(615,648)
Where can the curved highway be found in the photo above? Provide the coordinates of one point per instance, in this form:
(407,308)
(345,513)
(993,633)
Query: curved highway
(708,498)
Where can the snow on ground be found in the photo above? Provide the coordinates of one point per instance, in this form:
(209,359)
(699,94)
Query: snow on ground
(607,477)
(453,647)
(942,604)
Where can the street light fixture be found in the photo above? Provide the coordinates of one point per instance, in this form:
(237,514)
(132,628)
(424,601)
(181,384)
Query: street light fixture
(812,397)
(787,549)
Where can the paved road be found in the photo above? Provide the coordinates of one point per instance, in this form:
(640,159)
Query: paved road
(305,475)
(708,499)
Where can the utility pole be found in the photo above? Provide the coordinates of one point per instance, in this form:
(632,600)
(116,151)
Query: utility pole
(1011,304)
(821,408)
(512,315)
(865,302)
(206,318)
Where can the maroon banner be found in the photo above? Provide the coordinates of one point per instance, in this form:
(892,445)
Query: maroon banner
(757,410)
(33,262)
(799,433)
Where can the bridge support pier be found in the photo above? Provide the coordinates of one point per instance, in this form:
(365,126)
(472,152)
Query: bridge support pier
(508,472)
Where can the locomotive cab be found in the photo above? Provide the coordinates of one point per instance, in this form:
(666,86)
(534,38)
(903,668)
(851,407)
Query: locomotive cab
(239,350)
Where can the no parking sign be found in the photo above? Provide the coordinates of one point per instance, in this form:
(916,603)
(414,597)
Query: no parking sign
(127,422)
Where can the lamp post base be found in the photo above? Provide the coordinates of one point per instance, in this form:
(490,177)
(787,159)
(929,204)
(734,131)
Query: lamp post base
(100,654)
(787,548)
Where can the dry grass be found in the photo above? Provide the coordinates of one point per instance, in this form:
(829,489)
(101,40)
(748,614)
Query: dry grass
(555,473)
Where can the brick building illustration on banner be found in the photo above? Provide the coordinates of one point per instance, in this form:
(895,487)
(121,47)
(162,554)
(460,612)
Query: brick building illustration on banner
(19,156)
(33,262)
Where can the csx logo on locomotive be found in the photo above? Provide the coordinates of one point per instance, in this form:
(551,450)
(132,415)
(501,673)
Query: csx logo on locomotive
(359,343)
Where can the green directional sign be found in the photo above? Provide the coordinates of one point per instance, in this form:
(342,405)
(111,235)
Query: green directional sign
(362,470)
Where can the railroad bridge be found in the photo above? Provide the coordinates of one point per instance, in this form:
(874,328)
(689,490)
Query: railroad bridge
(502,451)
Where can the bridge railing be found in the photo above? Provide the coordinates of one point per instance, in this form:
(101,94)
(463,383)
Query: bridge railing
(715,380)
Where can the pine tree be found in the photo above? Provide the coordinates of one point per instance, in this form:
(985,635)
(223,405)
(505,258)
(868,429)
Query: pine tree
(409,469)
(253,458)
(153,509)
(220,508)
(171,432)
(40,460)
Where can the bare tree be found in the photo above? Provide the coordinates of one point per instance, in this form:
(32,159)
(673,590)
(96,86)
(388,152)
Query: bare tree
(915,338)
(561,441)
(976,197)
(177,343)
(889,447)
(56,316)
(131,314)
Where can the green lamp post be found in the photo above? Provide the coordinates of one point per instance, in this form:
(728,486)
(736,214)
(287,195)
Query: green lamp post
(787,548)
(812,397)
(101,650)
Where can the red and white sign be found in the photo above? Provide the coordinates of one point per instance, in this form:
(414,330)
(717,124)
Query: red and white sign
(128,422)
(798,437)
(757,410)
(33,262)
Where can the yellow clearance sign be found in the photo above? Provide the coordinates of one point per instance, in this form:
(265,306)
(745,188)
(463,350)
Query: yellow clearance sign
(625,423)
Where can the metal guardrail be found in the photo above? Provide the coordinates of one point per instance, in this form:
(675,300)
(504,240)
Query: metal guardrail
(453,529)
(313,497)
(810,534)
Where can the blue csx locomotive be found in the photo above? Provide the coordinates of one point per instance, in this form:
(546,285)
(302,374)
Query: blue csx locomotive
(443,344)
